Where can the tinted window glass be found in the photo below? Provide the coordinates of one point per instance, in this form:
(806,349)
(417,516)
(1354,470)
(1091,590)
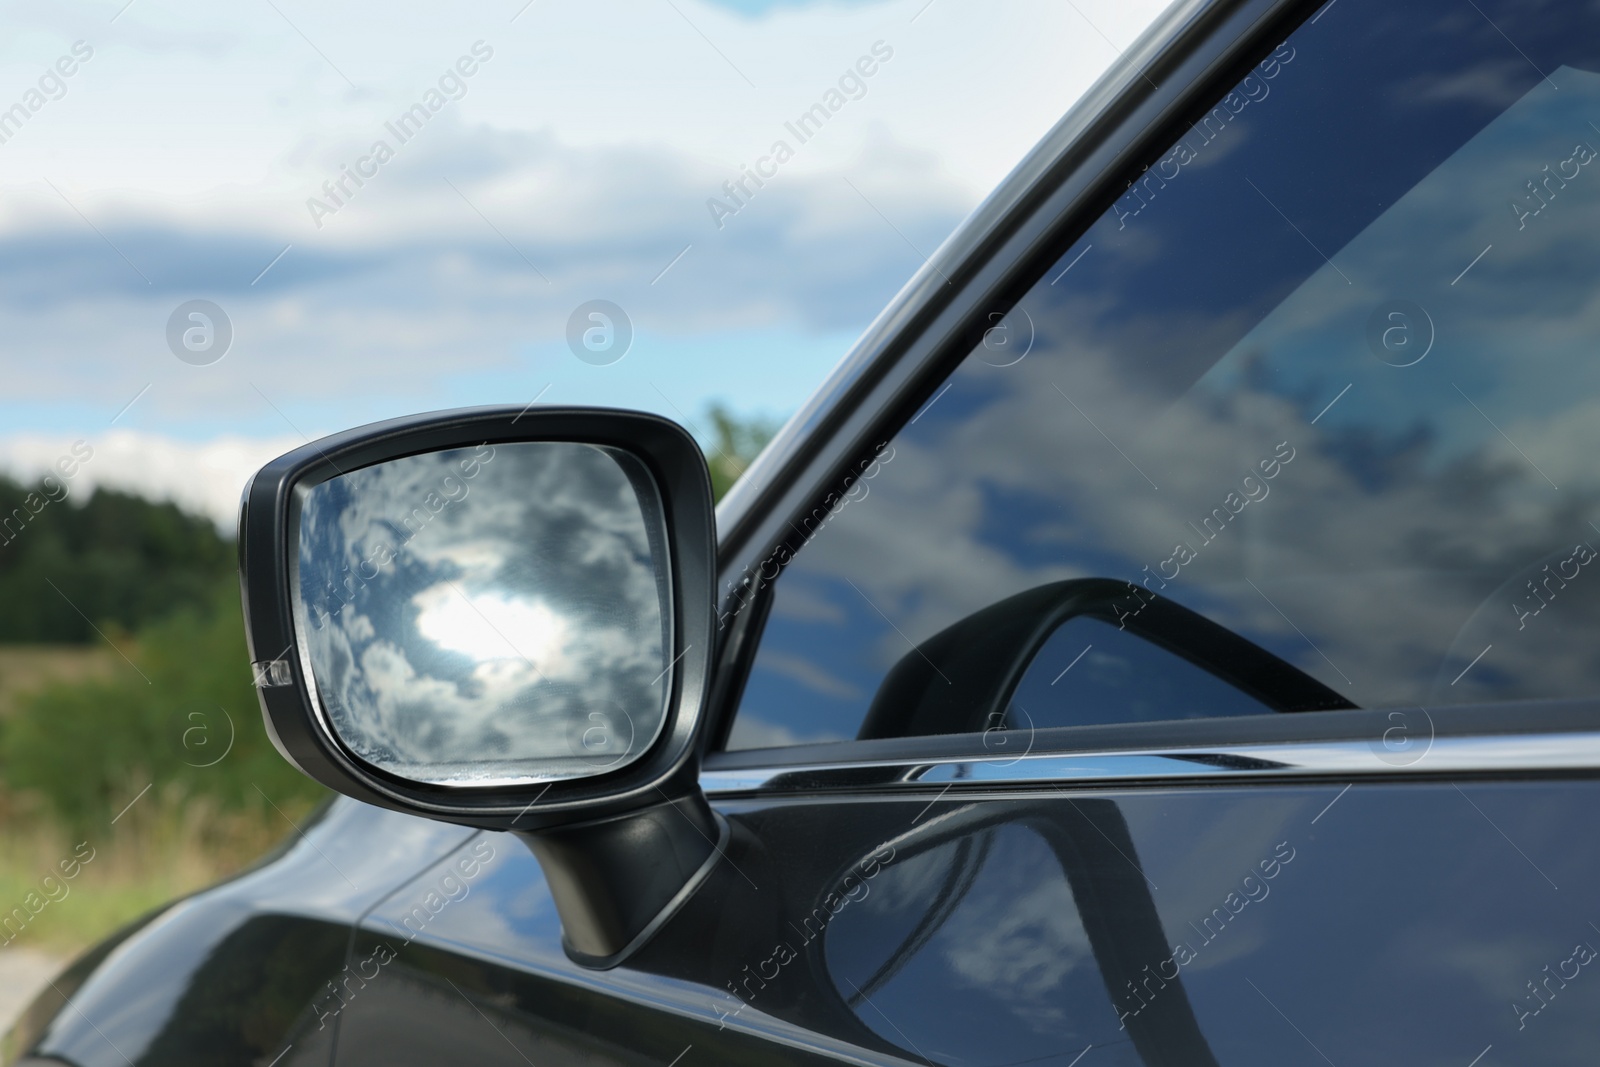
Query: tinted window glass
(968,940)
(1325,376)
(1089,671)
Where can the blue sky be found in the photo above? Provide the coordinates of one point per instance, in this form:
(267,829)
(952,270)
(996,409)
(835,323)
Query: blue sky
(570,154)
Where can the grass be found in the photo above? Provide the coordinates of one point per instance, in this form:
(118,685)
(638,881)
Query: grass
(27,668)
(156,764)
(84,729)
(165,846)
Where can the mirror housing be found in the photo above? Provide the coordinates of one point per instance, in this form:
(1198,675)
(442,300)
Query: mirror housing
(269,532)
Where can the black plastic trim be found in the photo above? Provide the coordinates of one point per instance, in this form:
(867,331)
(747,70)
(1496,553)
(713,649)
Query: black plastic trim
(617,882)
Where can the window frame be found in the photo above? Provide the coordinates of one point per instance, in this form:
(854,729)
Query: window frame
(1164,83)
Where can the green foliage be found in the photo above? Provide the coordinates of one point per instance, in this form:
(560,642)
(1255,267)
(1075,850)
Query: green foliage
(735,445)
(179,715)
(88,747)
(113,558)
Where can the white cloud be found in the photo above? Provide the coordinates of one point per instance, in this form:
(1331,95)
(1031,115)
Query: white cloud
(179,161)
(206,478)
(207,108)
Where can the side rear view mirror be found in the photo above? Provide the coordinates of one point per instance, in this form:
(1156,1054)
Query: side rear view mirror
(500,618)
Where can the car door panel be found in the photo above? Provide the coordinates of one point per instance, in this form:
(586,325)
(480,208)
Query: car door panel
(234,973)
(1377,922)
(470,956)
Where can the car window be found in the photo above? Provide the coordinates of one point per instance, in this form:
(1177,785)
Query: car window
(1089,671)
(1324,375)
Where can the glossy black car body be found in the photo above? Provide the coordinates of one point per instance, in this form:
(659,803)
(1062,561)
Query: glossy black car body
(1233,891)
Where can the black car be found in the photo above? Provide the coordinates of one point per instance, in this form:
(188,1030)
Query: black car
(1167,638)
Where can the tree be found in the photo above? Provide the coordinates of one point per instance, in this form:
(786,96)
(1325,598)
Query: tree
(734,446)
(117,559)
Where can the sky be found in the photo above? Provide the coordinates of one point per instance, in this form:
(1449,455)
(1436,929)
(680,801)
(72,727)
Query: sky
(556,154)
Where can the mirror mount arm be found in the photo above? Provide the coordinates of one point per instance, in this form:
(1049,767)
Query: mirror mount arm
(616,881)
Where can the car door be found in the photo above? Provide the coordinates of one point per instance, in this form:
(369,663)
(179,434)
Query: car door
(1169,641)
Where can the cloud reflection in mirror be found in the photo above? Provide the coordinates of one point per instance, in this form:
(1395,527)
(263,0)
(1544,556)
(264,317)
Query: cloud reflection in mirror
(488,615)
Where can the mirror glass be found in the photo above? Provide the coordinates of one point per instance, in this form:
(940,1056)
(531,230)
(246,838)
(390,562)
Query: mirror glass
(492,615)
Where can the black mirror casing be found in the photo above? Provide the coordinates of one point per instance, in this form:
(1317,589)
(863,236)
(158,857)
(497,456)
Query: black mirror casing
(268,531)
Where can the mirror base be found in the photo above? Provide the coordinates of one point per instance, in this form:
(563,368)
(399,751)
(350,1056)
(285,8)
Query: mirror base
(615,881)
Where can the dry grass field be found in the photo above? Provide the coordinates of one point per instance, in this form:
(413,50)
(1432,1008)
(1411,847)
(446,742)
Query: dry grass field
(24,668)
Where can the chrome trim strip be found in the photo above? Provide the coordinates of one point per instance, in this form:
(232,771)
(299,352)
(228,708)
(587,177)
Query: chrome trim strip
(1494,754)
